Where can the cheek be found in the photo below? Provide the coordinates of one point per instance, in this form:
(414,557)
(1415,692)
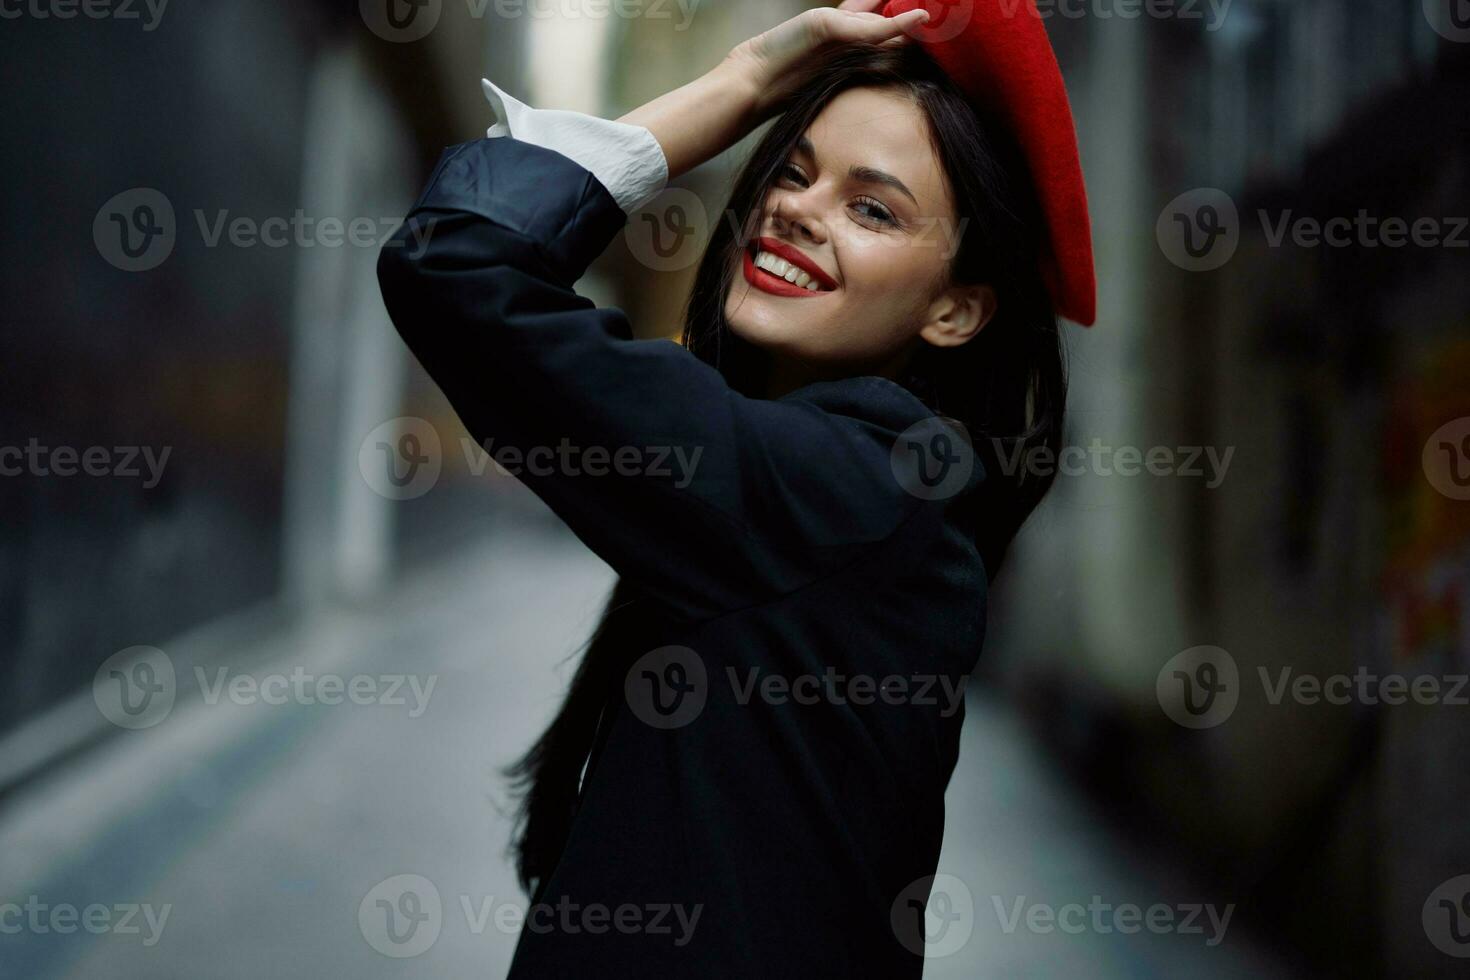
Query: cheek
(889,287)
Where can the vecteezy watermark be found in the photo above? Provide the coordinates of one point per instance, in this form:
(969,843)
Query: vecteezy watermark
(669,687)
(934,459)
(91,9)
(669,233)
(1100,459)
(934,916)
(404,915)
(35,459)
(947,18)
(1446,459)
(405,21)
(1211,12)
(1449,18)
(1104,918)
(63,918)
(1363,230)
(1199,687)
(1446,917)
(943,691)
(567,459)
(401,459)
(1200,230)
(302,687)
(137,230)
(136,688)
(1364,687)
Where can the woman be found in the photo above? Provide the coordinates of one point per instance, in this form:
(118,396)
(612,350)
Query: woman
(747,776)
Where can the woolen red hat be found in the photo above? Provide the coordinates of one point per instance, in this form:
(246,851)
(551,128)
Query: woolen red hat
(997,52)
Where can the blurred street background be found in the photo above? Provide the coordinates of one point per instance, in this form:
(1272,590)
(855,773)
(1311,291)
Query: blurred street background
(250,678)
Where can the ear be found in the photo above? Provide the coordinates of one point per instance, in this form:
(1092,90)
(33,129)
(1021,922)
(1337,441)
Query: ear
(958,314)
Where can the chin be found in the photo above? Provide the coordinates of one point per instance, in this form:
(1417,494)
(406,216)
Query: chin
(751,318)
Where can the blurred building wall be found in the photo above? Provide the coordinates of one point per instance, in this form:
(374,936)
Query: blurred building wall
(228,380)
(1325,548)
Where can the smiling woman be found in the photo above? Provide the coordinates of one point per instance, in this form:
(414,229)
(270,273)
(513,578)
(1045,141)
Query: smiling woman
(855,195)
(843,373)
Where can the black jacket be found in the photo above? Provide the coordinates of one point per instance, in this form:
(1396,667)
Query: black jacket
(792,815)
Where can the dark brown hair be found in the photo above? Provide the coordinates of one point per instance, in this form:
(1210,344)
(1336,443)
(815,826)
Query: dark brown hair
(1008,383)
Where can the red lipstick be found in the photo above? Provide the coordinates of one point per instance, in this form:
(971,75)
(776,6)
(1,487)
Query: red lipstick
(772,283)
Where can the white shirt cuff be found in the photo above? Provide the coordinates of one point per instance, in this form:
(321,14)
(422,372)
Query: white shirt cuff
(625,159)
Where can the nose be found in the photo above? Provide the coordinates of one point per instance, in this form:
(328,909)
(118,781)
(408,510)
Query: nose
(797,216)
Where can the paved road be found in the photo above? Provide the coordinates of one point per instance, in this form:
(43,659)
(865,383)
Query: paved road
(260,829)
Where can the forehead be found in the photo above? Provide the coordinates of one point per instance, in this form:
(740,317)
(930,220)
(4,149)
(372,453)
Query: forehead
(886,130)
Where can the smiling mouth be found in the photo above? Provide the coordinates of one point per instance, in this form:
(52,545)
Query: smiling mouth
(769,266)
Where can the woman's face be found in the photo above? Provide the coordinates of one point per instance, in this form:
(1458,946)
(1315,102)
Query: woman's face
(861,217)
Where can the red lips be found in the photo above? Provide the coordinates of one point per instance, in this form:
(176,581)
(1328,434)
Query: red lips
(771,283)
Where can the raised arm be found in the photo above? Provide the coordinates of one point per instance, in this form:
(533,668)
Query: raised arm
(696,121)
(706,498)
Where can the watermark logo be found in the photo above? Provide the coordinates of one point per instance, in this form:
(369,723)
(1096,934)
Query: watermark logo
(933,459)
(942,691)
(404,915)
(1200,687)
(1105,918)
(1446,917)
(676,463)
(302,687)
(41,918)
(401,916)
(1199,230)
(136,230)
(135,688)
(934,917)
(91,9)
(1446,459)
(669,233)
(1449,18)
(1364,687)
(400,21)
(667,688)
(947,18)
(401,458)
(405,21)
(1208,463)
(1212,12)
(34,459)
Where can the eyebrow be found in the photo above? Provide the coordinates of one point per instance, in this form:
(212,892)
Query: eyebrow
(867,175)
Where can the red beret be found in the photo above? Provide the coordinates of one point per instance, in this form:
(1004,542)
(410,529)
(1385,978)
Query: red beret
(997,52)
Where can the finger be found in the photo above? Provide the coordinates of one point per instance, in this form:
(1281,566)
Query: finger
(875,28)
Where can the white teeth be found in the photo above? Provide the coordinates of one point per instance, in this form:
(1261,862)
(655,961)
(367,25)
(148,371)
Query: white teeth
(778,266)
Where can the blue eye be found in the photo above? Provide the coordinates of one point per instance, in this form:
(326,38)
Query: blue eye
(874,211)
(866,208)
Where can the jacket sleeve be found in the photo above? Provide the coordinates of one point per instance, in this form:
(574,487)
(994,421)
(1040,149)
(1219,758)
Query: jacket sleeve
(731,499)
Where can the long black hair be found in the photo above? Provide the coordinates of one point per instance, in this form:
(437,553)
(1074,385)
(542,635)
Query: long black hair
(1007,384)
